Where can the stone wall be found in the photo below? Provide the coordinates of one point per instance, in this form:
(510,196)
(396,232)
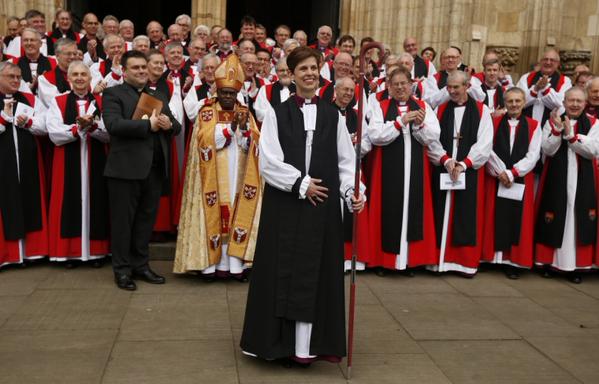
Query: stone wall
(521,30)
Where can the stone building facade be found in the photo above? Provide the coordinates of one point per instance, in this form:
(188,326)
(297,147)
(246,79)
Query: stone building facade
(519,29)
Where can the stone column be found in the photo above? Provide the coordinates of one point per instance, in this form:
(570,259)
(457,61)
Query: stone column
(19,7)
(209,12)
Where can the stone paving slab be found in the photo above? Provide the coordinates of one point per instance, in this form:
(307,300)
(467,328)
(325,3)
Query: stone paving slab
(181,317)
(528,318)
(578,354)
(59,356)
(12,282)
(443,316)
(75,326)
(70,309)
(9,305)
(489,362)
(181,362)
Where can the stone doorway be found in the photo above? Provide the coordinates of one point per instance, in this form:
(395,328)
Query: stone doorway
(307,15)
(140,12)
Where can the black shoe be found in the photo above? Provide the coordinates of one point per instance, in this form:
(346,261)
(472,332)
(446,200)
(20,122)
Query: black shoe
(125,282)
(408,273)
(71,264)
(511,272)
(207,277)
(546,273)
(380,272)
(97,263)
(575,278)
(149,277)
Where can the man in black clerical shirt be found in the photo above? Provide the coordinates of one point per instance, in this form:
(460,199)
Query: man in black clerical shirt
(136,167)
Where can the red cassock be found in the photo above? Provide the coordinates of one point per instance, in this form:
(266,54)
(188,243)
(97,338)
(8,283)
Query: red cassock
(459,236)
(566,229)
(69,208)
(384,194)
(508,235)
(23,209)
(169,204)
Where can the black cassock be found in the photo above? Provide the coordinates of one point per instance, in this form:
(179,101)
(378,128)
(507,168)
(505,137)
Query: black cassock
(298,263)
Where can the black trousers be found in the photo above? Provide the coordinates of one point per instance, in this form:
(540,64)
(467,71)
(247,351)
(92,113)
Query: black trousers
(133,209)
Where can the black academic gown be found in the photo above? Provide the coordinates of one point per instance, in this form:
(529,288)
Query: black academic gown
(298,263)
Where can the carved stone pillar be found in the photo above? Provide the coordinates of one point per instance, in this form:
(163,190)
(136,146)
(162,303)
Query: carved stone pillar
(508,56)
(571,58)
(209,12)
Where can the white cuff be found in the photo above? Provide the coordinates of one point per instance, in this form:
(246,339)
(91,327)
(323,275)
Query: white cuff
(510,175)
(304,186)
(570,136)
(8,119)
(463,165)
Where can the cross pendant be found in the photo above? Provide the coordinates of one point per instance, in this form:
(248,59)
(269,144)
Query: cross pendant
(457,138)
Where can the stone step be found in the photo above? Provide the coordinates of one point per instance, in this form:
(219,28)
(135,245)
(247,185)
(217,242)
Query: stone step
(162,251)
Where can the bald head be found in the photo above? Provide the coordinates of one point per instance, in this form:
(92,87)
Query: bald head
(410,45)
(342,65)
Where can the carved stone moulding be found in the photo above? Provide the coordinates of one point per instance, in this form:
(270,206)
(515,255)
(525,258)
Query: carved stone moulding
(508,56)
(569,59)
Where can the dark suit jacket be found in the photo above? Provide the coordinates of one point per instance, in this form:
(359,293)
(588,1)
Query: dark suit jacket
(131,141)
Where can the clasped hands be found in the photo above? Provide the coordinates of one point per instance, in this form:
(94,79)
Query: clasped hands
(21,120)
(454,169)
(158,122)
(416,117)
(317,193)
(240,120)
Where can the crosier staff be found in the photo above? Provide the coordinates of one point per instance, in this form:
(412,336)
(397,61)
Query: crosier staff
(352,288)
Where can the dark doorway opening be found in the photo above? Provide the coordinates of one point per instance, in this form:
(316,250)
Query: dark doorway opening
(307,15)
(140,12)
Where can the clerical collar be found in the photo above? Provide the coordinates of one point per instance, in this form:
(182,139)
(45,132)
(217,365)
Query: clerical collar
(301,101)
(80,97)
(8,96)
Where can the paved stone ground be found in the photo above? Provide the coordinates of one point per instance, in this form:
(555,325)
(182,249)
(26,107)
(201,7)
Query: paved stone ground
(74,326)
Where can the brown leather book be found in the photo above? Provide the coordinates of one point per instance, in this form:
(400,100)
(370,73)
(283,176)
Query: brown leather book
(145,106)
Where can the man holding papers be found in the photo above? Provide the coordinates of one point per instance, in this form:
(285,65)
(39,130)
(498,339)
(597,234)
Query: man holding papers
(23,223)
(458,177)
(136,168)
(566,222)
(508,230)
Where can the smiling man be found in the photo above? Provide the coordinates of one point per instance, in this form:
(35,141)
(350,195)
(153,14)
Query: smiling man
(295,305)
(509,228)
(136,169)
(222,190)
(566,225)
(78,232)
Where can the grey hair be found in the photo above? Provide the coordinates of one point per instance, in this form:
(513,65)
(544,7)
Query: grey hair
(126,22)
(576,89)
(203,27)
(28,29)
(288,43)
(75,64)
(339,82)
(108,38)
(459,76)
(8,64)
(406,56)
(184,16)
(139,38)
(61,43)
(209,57)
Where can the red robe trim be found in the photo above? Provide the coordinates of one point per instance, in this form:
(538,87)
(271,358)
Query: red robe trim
(169,205)
(59,246)
(421,252)
(586,255)
(521,254)
(36,243)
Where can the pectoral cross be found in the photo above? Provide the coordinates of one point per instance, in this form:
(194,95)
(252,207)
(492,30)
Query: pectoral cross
(457,138)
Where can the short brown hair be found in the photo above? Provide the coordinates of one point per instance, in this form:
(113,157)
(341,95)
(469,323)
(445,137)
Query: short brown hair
(401,70)
(300,54)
